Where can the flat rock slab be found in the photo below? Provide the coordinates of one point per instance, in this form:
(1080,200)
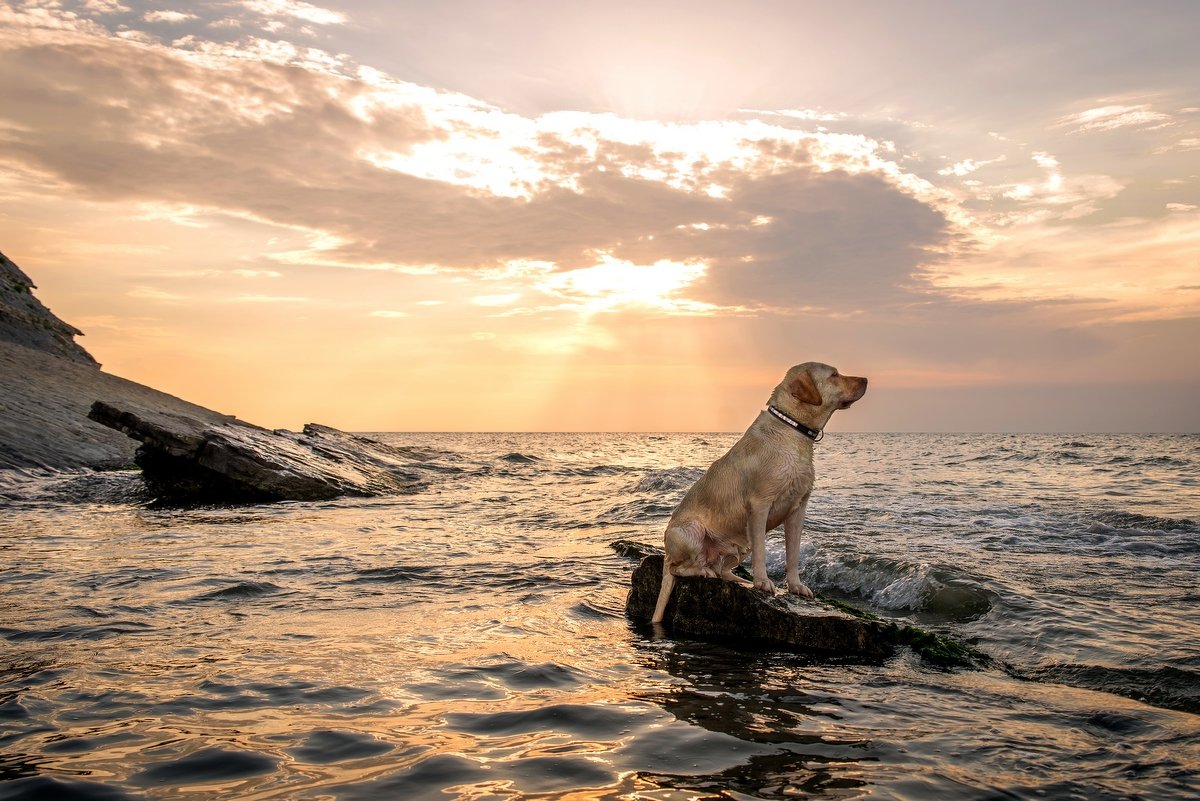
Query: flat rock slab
(721,610)
(186,459)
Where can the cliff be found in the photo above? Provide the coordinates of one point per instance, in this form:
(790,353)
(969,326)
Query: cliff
(26,322)
(59,410)
(48,383)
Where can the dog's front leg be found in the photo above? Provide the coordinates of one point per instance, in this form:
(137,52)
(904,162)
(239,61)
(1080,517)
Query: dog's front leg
(793,526)
(757,524)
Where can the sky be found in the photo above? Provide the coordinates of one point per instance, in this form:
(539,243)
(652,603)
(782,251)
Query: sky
(618,216)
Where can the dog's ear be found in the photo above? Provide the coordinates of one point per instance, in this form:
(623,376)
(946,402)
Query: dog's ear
(804,390)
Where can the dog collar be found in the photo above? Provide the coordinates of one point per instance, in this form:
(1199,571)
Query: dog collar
(811,433)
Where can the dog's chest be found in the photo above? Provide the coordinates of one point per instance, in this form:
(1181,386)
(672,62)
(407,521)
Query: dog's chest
(794,481)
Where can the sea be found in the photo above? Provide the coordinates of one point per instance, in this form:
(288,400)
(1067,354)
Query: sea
(468,640)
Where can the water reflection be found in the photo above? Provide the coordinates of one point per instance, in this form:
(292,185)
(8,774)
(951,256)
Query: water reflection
(469,641)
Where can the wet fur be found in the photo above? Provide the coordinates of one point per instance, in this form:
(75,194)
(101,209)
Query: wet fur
(763,481)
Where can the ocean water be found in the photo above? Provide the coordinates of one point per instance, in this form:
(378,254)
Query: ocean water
(469,641)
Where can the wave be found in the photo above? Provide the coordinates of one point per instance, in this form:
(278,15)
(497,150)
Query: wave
(637,511)
(1124,533)
(69,487)
(242,589)
(894,584)
(76,632)
(1169,687)
(593,472)
(398,573)
(520,458)
(1132,521)
(668,480)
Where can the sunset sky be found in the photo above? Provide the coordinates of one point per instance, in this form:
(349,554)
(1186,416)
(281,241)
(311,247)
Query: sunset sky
(617,216)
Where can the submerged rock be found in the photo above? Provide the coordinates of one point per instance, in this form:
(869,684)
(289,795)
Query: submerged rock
(186,459)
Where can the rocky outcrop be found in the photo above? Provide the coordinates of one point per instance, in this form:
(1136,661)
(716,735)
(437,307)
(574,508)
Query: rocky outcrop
(58,411)
(708,608)
(26,322)
(714,609)
(48,383)
(190,460)
(44,401)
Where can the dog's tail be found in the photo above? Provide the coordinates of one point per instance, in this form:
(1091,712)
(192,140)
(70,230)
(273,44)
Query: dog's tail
(664,592)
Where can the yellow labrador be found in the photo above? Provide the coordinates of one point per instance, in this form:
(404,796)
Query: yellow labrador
(763,481)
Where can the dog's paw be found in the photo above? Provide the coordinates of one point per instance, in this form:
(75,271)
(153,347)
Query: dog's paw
(799,588)
(765,584)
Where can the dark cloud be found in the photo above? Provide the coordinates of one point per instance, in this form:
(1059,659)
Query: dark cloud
(288,144)
(121,122)
(834,240)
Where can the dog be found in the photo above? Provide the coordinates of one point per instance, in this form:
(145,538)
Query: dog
(765,479)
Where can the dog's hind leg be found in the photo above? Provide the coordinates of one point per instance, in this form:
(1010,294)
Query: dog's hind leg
(684,556)
(664,592)
(728,565)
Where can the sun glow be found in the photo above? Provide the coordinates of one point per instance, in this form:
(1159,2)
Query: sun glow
(615,283)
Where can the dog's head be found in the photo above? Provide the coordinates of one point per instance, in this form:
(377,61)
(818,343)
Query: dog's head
(815,390)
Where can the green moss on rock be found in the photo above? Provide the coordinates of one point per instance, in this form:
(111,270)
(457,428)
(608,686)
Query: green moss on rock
(935,649)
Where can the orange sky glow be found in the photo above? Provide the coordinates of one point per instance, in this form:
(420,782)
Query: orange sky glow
(398,216)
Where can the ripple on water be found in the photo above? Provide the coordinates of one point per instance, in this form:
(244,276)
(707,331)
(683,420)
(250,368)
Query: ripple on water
(205,767)
(237,591)
(324,747)
(520,458)
(75,632)
(48,788)
(581,720)
(518,675)
(399,573)
(435,777)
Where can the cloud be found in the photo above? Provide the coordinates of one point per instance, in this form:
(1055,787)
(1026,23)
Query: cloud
(269,299)
(565,213)
(188,273)
(496,300)
(1109,118)
(296,9)
(257,273)
(968,166)
(614,283)
(106,7)
(835,241)
(1183,145)
(386,174)
(156,295)
(806,114)
(168,16)
(1182,207)
(390,314)
(1083,273)
(1055,195)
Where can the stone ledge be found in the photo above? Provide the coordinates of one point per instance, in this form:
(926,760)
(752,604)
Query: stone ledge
(189,460)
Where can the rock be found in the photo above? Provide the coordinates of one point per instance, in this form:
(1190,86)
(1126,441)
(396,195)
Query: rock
(47,384)
(44,401)
(721,610)
(635,549)
(714,609)
(190,460)
(26,322)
